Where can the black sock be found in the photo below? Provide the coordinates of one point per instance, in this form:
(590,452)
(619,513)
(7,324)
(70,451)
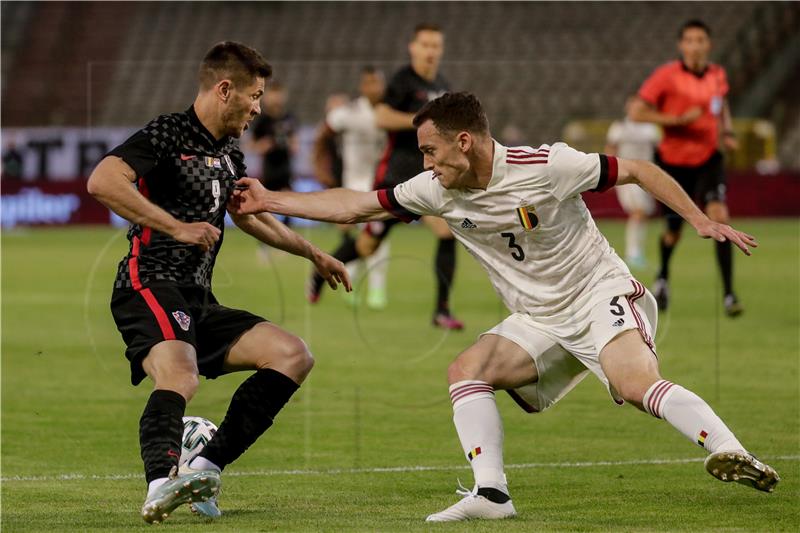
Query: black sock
(666,253)
(161,432)
(445,270)
(345,253)
(493,495)
(725,260)
(253,408)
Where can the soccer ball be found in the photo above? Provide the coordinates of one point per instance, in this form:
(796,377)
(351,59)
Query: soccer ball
(197,431)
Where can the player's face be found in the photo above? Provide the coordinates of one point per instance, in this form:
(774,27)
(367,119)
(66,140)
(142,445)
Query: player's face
(427,48)
(372,86)
(695,46)
(443,155)
(242,106)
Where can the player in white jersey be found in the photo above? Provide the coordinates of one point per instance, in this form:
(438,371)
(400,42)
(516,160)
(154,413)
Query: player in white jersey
(575,308)
(633,140)
(363,144)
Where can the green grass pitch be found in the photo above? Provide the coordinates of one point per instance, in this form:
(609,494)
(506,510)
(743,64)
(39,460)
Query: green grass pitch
(368,443)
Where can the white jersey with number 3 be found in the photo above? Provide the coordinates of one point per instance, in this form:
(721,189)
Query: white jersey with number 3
(530,228)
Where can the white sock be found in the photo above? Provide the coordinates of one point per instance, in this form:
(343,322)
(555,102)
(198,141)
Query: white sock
(153,485)
(480,431)
(201,463)
(689,414)
(378,266)
(634,237)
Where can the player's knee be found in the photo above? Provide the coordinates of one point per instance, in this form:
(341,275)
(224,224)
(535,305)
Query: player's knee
(671,237)
(296,359)
(366,246)
(461,369)
(633,391)
(184,383)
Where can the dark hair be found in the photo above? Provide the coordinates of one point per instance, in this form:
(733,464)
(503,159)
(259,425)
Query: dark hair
(369,69)
(454,112)
(236,61)
(426,26)
(694,23)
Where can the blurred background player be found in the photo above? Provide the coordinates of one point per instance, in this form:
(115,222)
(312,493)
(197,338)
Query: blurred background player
(688,97)
(275,139)
(362,144)
(633,140)
(410,88)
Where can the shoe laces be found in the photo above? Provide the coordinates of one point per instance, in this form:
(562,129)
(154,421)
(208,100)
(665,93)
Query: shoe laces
(464,491)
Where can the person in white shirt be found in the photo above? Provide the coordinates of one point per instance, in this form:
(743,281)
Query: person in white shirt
(575,308)
(362,145)
(634,140)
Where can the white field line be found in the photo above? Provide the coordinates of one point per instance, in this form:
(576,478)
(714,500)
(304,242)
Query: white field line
(387,469)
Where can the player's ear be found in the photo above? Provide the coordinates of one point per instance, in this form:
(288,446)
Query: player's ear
(223,90)
(464,141)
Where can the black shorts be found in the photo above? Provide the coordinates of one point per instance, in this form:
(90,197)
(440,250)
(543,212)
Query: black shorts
(704,184)
(170,312)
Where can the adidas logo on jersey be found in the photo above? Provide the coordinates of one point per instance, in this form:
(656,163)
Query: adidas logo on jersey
(468,224)
(618,323)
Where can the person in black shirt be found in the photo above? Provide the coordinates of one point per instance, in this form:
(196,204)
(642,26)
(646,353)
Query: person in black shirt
(184,166)
(409,89)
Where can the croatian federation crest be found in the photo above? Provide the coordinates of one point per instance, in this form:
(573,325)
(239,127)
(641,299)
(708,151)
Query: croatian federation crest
(182,319)
(527,217)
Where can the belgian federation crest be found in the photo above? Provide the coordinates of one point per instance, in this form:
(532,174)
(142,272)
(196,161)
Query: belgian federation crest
(527,217)
(182,319)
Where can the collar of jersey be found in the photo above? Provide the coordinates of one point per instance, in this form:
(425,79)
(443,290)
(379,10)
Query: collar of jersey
(694,73)
(498,164)
(194,119)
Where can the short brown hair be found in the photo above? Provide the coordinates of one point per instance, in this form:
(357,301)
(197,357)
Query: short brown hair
(454,112)
(426,26)
(235,61)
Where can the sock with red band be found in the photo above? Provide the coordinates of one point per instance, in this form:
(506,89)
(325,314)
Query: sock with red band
(689,414)
(480,431)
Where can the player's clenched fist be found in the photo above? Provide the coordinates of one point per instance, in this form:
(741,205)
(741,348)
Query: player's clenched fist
(202,234)
(248,198)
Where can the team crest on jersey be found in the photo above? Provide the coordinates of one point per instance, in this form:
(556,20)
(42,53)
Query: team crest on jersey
(182,319)
(213,162)
(527,217)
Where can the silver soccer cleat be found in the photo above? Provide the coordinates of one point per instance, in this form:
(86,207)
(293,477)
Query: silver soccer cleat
(742,467)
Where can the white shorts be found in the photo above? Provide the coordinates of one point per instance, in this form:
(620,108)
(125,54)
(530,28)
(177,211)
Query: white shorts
(565,352)
(633,198)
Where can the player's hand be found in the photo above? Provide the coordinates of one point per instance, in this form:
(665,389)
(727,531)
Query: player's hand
(201,234)
(332,270)
(688,117)
(248,198)
(723,232)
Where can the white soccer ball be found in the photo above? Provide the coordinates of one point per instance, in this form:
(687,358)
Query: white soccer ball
(197,431)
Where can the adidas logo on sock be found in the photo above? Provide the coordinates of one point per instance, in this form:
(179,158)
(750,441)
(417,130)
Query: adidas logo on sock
(468,224)
(618,323)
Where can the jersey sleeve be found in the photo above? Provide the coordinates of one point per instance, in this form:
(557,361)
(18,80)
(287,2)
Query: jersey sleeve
(655,87)
(412,199)
(143,150)
(572,172)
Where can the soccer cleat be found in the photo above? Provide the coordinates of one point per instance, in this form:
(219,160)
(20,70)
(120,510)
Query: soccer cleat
(661,293)
(473,506)
(376,299)
(732,306)
(741,467)
(314,288)
(209,508)
(192,486)
(447,321)
(636,262)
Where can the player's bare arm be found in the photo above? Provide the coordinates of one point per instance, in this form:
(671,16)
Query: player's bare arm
(271,231)
(342,206)
(726,123)
(641,111)
(664,188)
(111,184)
(391,119)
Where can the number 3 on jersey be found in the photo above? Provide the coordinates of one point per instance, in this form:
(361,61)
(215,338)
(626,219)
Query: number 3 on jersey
(215,192)
(516,250)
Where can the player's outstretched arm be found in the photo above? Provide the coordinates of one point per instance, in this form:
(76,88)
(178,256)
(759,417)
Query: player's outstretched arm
(271,231)
(111,184)
(641,111)
(664,188)
(342,206)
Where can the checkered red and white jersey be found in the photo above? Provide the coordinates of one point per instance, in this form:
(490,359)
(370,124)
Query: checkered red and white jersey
(188,173)
(530,229)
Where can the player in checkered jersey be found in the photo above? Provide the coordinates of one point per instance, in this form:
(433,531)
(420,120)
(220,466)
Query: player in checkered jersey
(575,308)
(184,166)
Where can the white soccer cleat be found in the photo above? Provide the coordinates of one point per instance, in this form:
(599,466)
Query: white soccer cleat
(473,506)
(742,467)
(205,508)
(195,486)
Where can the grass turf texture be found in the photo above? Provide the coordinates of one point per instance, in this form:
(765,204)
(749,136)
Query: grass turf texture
(378,398)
